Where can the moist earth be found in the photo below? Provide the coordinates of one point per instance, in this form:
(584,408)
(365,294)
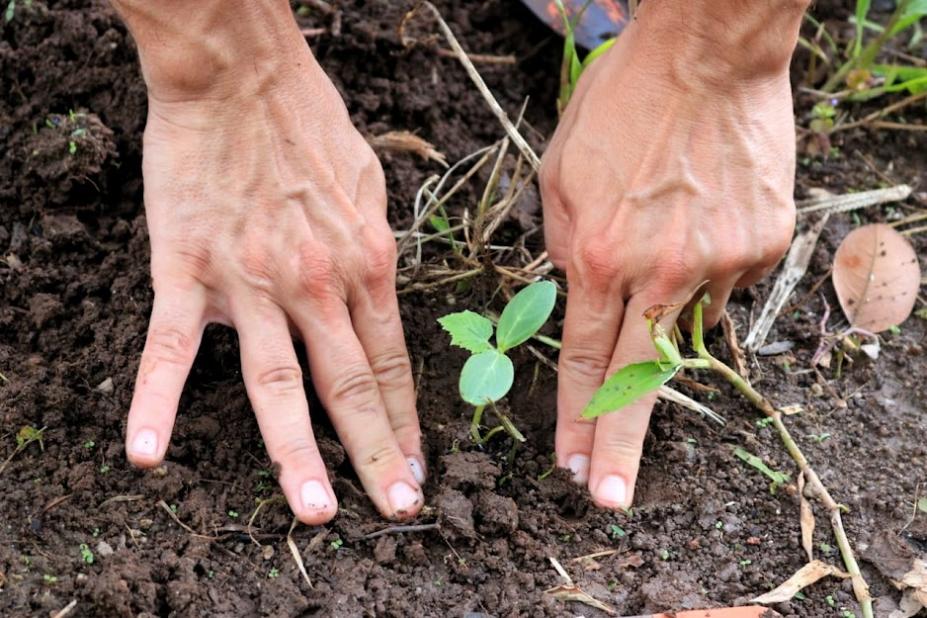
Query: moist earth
(78,524)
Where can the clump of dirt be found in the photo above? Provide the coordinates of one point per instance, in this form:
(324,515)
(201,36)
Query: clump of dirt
(74,302)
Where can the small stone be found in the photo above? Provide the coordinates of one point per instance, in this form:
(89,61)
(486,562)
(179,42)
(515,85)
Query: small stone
(104,549)
(385,550)
(106,386)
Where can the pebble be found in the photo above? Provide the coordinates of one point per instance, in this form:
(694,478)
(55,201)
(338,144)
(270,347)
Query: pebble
(104,549)
(106,386)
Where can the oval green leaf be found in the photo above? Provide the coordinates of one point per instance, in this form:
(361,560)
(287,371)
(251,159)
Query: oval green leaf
(525,314)
(627,385)
(486,377)
(468,330)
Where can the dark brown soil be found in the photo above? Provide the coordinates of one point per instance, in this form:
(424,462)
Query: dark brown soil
(74,300)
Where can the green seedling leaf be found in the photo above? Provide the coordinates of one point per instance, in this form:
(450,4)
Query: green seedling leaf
(525,314)
(439,223)
(598,51)
(486,377)
(777,478)
(628,385)
(468,330)
(862,10)
(922,505)
(913,12)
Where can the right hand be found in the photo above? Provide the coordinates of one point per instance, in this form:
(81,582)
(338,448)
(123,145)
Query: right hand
(267,212)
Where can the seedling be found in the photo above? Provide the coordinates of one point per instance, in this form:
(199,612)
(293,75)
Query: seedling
(274,573)
(488,374)
(616,532)
(861,73)
(85,554)
(634,381)
(24,437)
(336,544)
(50,579)
(777,478)
(571,68)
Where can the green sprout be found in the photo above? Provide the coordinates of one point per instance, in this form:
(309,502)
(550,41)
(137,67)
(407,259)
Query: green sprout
(858,71)
(85,554)
(616,532)
(50,579)
(89,444)
(777,478)
(233,514)
(274,573)
(488,374)
(337,544)
(571,67)
(24,437)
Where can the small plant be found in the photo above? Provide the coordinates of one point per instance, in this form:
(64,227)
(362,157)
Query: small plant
(274,573)
(616,532)
(24,437)
(233,514)
(488,374)
(337,544)
(86,554)
(861,74)
(50,579)
(777,478)
(571,68)
(89,444)
(634,381)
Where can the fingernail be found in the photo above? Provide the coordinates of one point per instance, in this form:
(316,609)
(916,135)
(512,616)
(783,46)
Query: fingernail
(145,443)
(418,470)
(612,490)
(402,498)
(579,466)
(314,496)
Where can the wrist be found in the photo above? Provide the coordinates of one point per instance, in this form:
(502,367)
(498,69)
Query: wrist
(214,49)
(720,42)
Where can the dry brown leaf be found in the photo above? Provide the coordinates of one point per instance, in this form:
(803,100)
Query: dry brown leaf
(806,519)
(876,276)
(571,592)
(404,141)
(803,577)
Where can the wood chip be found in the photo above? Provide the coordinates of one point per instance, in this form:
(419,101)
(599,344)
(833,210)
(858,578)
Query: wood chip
(804,577)
(405,141)
(806,519)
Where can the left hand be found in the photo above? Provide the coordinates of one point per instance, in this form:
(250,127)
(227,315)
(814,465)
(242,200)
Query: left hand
(657,180)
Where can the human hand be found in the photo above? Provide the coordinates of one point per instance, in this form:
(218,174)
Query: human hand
(267,212)
(673,164)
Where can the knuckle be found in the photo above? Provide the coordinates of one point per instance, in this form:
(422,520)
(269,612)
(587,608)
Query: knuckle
(317,275)
(392,369)
(380,257)
(676,269)
(170,345)
(257,266)
(298,450)
(585,365)
(358,385)
(281,381)
(379,456)
(621,448)
(597,261)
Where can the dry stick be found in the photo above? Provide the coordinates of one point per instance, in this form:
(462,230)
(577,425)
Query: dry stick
(876,115)
(860,588)
(64,611)
(510,129)
(730,336)
(898,126)
(401,529)
(480,58)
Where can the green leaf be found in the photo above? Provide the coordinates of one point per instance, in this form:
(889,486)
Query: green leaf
(777,478)
(629,384)
(862,9)
(439,223)
(598,51)
(525,314)
(468,330)
(486,378)
(913,12)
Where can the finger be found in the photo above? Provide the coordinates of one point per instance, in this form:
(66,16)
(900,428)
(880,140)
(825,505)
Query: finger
(375,315)
(275,386)
(593,317)
(348,389)
(174,333)
(754,275)
(619,436)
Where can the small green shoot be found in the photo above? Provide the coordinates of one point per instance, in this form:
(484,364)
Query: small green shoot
(50,579)
(233,514)
(10,11)
(274,573)
(763,423)
(616,532)
(745,562)
(922,505)
(571,68)
(777,478)
(85,554)
(830,601)
(819,437)
(24,437)
(664,554)
(337,544)
(488,374)
(89,444)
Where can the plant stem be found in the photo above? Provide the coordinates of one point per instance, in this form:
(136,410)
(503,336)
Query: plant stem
(475,424)
(818,490)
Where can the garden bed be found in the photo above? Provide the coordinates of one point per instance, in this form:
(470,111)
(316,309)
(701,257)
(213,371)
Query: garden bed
(75,297)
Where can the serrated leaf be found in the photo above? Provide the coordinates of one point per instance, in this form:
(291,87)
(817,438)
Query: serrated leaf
(627,385)
(468,330)
(525,314)
(486,377)
(876,276)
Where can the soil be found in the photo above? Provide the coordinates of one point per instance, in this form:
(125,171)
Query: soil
(74,300)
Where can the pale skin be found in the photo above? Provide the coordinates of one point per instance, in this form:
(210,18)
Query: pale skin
(672,165)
